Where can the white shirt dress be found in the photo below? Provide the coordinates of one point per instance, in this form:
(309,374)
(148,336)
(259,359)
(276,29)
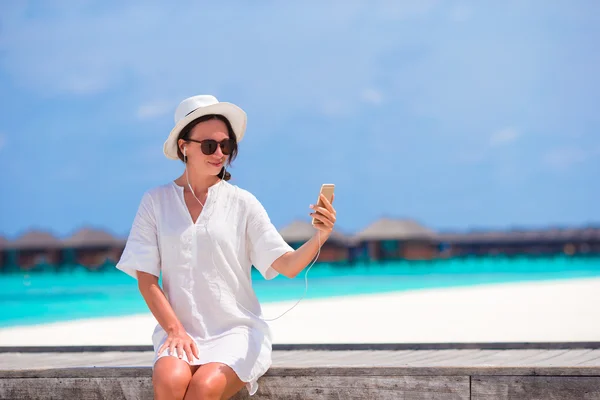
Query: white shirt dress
(205,267)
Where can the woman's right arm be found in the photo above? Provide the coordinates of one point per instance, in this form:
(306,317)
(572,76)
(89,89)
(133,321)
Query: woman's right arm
(141,260)
(163,312)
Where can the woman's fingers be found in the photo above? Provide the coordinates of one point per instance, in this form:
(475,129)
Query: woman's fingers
(184,346)
(172,347)
(325,212)
(327,204)
(188,351)
(326,221)
(164,346)
(180,351)
(195,350)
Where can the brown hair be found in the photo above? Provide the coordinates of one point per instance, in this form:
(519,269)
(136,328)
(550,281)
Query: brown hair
(185,132)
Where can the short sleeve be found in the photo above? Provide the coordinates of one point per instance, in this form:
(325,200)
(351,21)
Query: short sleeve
(141,250)
(266,244)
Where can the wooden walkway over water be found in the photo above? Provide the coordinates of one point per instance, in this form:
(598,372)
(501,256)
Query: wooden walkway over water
(417,371)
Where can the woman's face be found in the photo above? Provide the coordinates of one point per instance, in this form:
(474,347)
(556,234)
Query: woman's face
(212,129)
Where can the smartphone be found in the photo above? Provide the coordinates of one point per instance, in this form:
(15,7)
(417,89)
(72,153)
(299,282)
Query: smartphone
(327,190)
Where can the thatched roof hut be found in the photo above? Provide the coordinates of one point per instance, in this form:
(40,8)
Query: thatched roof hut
(590,233)
(92,238)
(472,236)
(395,229)
(571,234)
(523,236)
(36,240)
(301,231)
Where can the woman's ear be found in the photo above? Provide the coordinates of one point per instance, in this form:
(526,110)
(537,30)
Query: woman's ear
(181,144)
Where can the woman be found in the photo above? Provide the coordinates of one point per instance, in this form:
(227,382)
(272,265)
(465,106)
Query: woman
(204,234)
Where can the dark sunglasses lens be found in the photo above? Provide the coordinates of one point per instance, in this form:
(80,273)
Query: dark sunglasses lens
(226,146)
(208,147)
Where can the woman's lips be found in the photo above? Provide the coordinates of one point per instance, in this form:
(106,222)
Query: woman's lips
(217,164)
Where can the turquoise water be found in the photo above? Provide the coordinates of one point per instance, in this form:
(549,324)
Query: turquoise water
(42,297)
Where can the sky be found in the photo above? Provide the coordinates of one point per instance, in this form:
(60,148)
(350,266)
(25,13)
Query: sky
(459,115)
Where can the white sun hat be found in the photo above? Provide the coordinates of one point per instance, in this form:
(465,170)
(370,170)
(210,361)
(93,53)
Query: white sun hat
(198,106)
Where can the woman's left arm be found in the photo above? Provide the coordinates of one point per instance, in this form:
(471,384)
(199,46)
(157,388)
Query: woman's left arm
(292,263)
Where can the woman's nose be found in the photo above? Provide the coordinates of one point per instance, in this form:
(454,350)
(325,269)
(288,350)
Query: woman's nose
(219,152)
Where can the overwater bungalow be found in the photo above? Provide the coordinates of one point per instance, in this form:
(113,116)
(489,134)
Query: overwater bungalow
(552,241)
(37,249)
(3,252)
(336,248)
(385,239)
(390,239)
(93,248)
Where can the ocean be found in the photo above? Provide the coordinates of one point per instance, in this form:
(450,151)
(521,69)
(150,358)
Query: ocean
(44,297)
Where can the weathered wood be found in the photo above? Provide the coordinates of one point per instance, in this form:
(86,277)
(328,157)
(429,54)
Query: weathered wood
(76,388)
(320,374)
(327,347)
(296,359)
(290,387)
(374,387)
(535,387)
(470,359)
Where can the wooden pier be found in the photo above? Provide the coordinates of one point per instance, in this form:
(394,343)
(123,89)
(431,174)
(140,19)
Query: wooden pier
(490,371)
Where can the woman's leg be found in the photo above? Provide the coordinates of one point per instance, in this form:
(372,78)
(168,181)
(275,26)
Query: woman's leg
(214,381)
(171,377)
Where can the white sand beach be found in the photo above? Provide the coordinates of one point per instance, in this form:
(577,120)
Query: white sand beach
(517,312)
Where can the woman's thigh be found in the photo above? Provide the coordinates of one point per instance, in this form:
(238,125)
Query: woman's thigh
(214,381)
(171,377)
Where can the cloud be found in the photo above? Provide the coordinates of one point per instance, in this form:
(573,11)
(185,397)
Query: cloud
(564,158)
(372,96)
(477,151)
(504,137)
(269,56)
(154,110)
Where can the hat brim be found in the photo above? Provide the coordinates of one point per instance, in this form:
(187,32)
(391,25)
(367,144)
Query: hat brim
(235,115)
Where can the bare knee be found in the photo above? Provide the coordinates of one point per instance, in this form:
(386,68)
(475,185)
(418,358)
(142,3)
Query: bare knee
(210,386)
(170,378)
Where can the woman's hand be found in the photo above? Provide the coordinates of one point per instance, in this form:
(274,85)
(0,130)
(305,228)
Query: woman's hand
(325,214)
(181,341)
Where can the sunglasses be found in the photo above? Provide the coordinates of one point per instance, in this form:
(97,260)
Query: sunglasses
(209,146)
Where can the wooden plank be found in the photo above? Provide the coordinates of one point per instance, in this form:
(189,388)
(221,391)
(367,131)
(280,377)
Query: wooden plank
(276,387)
(541,359)
(441,371)
(326,346)
(101,372)
(53,360)
(535,387)
(409,358)
(568,358)
(377,387)
(447,357)
(481,357)
(76,388)
(331,387)
(525,360)
(523,357)
(589,363)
